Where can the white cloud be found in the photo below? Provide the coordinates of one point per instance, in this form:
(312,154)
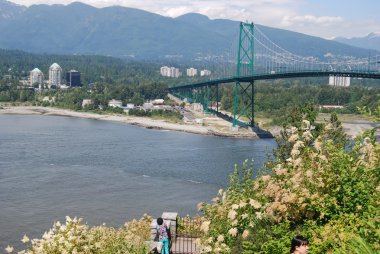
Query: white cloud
(310,19)
(177,11)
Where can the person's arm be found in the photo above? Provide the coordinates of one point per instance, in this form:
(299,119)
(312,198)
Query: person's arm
(169,234)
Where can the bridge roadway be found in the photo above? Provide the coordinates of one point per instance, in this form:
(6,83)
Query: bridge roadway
(369,75)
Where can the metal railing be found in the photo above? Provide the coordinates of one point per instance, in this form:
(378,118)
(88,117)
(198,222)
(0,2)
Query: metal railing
(185,239)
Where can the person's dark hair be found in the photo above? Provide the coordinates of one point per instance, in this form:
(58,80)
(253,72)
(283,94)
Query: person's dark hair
(160,221)
(297,242)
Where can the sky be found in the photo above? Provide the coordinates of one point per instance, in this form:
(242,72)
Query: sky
(323,18)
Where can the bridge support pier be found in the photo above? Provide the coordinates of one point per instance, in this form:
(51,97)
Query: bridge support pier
(244,104)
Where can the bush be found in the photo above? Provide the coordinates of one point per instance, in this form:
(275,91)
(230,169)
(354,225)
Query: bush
(76,237)
(324,190)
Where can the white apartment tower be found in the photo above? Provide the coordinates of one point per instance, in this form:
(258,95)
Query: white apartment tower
(164,71)
(205,72)
(170,72)
(55,74)
(36,76)
(174,72)
(191,72)
(339,81)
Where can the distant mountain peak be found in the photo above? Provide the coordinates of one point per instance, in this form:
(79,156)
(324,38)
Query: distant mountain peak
(193,15)
(76,3)
(370,41)
(9,10)
(194,18)
(373,35)
(8,3)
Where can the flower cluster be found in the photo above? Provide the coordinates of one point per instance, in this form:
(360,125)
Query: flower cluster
(74,237)
(315,189)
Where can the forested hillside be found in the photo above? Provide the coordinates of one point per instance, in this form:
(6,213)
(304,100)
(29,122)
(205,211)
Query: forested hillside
(18,64)
(138,34)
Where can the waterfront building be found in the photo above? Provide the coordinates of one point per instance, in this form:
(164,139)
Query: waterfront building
(130,106)
(36,77)
(158,102)
(205,73)
(191,72)
(86,102)
(55,74)
(339,80)
(147,105)
(330,107)
(115,103)
(73,78)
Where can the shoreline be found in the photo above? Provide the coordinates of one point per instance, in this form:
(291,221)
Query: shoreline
(352,128)
(132,120)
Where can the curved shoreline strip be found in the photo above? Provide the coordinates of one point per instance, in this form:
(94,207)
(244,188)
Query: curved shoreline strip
(138,121)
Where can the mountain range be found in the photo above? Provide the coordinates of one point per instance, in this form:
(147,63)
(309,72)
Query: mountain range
(371,41)
(78,28)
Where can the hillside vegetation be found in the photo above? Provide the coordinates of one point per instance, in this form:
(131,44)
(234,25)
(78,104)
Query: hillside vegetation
(319,186)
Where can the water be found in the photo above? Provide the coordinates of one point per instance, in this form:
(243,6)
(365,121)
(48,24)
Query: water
(107,172)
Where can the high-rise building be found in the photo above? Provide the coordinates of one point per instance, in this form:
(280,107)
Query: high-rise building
(164,71)
(339,80)
(73,78)
(36,77)
(205,72)
(174,72)
(191,72)
(55,74)
(170,72)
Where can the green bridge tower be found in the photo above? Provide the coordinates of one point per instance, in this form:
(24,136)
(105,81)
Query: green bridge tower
(245,67)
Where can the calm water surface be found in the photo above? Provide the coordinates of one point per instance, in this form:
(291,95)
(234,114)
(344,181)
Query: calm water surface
(107,172)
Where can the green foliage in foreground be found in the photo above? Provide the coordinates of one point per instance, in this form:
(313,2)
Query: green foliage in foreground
(325,190)
(375,113)
(76,237)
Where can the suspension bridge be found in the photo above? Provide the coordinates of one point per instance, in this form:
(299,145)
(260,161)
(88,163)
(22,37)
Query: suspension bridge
(255,57)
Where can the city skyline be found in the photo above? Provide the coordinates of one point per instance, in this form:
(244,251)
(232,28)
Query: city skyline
(326,19)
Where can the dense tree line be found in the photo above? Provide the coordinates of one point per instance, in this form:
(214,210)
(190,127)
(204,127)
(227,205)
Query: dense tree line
(276,99)
(102,93)
(17,64)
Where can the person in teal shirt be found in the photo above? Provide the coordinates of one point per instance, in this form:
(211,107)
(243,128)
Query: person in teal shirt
(163,235)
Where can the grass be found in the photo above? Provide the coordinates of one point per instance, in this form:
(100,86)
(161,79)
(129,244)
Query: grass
(344,118)
(171,119)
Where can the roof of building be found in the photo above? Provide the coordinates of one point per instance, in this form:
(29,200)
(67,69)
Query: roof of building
(55,66)
(36,70)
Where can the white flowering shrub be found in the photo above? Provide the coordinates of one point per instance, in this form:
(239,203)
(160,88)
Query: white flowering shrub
(74,237)
(324,190)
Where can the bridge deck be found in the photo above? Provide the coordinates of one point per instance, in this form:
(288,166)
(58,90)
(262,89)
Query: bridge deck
(369,75)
